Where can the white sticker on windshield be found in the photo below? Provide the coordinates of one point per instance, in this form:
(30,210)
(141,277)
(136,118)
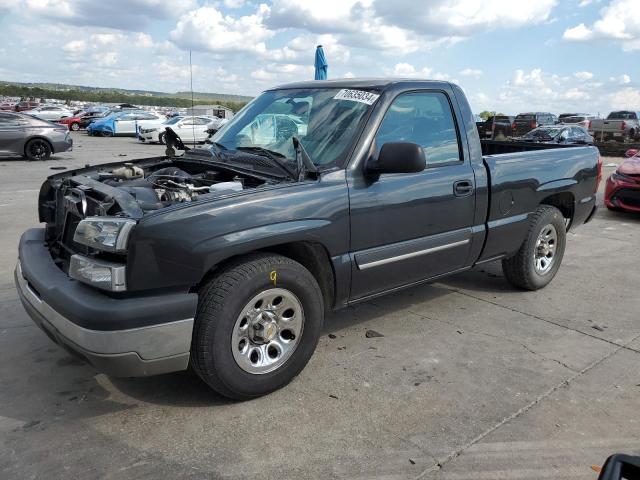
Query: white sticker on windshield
(357,96)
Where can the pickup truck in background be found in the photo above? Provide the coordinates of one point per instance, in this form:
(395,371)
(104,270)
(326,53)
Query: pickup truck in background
(496,127)
(226,258)
(623,125)
(525,122)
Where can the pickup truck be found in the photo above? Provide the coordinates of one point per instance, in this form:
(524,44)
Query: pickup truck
(224,259)
(623,125)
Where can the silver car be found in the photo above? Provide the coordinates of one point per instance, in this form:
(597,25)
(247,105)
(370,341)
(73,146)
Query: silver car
(31,137)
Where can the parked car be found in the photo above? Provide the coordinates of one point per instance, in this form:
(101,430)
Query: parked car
(50,112)
(189,129)
(92,116)
(7,106)
(622,125)
(31,137)
(25,105)
(582,119)
(226,258)
(73,122)
(562,134)
(525,122)
(498,126)
(622,190)
(123,123)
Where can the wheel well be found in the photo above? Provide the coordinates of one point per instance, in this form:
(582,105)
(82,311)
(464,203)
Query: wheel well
(563,202)
(37,138)
(311,255)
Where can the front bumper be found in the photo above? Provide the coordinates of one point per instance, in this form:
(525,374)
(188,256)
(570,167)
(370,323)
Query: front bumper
(126,337)
(149,136)
(622,195)
(65,145)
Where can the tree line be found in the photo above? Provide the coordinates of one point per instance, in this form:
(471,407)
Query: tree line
(106,96)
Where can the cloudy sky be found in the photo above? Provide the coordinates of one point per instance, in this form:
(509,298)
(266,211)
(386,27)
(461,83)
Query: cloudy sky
(509,55)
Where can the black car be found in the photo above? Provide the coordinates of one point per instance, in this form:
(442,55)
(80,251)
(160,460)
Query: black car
(561,134)
(525,122)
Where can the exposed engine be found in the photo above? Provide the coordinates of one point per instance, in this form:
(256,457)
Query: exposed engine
(160,188)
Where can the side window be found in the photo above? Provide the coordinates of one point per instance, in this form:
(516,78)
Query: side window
(8,120)
(424,118)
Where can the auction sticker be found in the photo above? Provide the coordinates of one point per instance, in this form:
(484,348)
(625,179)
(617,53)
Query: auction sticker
(357,96)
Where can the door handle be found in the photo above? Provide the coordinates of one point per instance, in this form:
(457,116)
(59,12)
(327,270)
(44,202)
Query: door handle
(462,188)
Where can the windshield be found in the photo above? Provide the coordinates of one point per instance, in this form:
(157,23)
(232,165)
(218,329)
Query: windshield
(324,120)
(544,132)
(172,120)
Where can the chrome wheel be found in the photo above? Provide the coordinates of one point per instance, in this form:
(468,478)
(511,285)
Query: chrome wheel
(545,250)
(267,331)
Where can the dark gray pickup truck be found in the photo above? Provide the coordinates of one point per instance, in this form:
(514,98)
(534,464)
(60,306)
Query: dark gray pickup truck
(317,195)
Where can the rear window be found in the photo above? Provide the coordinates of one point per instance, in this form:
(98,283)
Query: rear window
(573,119)
(525,117)
(622,116)
(501,118)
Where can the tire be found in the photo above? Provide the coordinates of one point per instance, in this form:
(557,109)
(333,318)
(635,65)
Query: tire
(37,149)
(161,138)
(530,268)
(228,350)
(75,126)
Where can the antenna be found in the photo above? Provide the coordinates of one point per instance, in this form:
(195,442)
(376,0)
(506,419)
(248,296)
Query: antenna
(193,117)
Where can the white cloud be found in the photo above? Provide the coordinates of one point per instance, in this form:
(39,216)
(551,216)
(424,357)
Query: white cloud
(75,47)
(583,75)
(233,3)
(471,72)
(625,98)
(208,29)
(619,21)
(622,79)
(120,14)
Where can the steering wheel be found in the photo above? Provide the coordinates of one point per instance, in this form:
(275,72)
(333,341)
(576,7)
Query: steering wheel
(285,129)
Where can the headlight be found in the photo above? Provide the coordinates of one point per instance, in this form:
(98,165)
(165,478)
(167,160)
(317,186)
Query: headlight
(105,275)
(109,234)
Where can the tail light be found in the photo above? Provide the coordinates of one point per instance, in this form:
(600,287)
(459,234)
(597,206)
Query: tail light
(589,126)
(513,125)
(534,125)
(599,176)
(623,125)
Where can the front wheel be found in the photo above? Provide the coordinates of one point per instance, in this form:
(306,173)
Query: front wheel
(161,138)
(537,261)
(75,126)
(257,324)
(37,149)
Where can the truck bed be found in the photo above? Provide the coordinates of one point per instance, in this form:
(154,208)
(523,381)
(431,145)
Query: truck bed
(522,176)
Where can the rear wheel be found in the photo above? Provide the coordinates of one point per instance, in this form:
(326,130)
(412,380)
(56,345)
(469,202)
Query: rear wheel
(537,261)
(75,126)
(37,149)
(161,138)
(257,325)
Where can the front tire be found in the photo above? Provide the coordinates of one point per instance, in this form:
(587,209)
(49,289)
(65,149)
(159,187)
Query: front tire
(257,324)
(161,138)
(537,261)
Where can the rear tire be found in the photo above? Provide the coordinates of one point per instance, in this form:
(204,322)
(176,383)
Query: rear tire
(537,261)
(255,330)
(37,149)
(161,138)
(75,126)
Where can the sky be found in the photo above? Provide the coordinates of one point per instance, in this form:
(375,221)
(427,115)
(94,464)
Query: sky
(508,55)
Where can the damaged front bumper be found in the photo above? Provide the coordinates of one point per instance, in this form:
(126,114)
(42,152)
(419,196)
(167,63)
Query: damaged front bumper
(124,337)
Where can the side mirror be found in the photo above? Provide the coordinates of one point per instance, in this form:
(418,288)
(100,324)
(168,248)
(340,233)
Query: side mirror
(399,157)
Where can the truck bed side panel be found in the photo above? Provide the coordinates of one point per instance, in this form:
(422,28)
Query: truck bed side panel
(520,182)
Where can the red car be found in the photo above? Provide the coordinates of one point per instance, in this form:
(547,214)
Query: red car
(7,106)
(73,123)
(25,105)
(622,191)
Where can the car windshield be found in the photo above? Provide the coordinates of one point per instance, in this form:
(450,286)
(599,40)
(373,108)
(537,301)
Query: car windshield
(172,120)
(324,120)
(544,132)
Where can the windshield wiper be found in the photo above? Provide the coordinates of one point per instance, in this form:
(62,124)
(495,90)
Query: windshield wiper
(275,157)
(304,162)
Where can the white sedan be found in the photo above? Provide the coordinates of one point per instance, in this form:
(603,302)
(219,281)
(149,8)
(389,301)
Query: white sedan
(50,112)
(189,129)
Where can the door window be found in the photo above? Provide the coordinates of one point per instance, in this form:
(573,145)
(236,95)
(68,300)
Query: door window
(424,118)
